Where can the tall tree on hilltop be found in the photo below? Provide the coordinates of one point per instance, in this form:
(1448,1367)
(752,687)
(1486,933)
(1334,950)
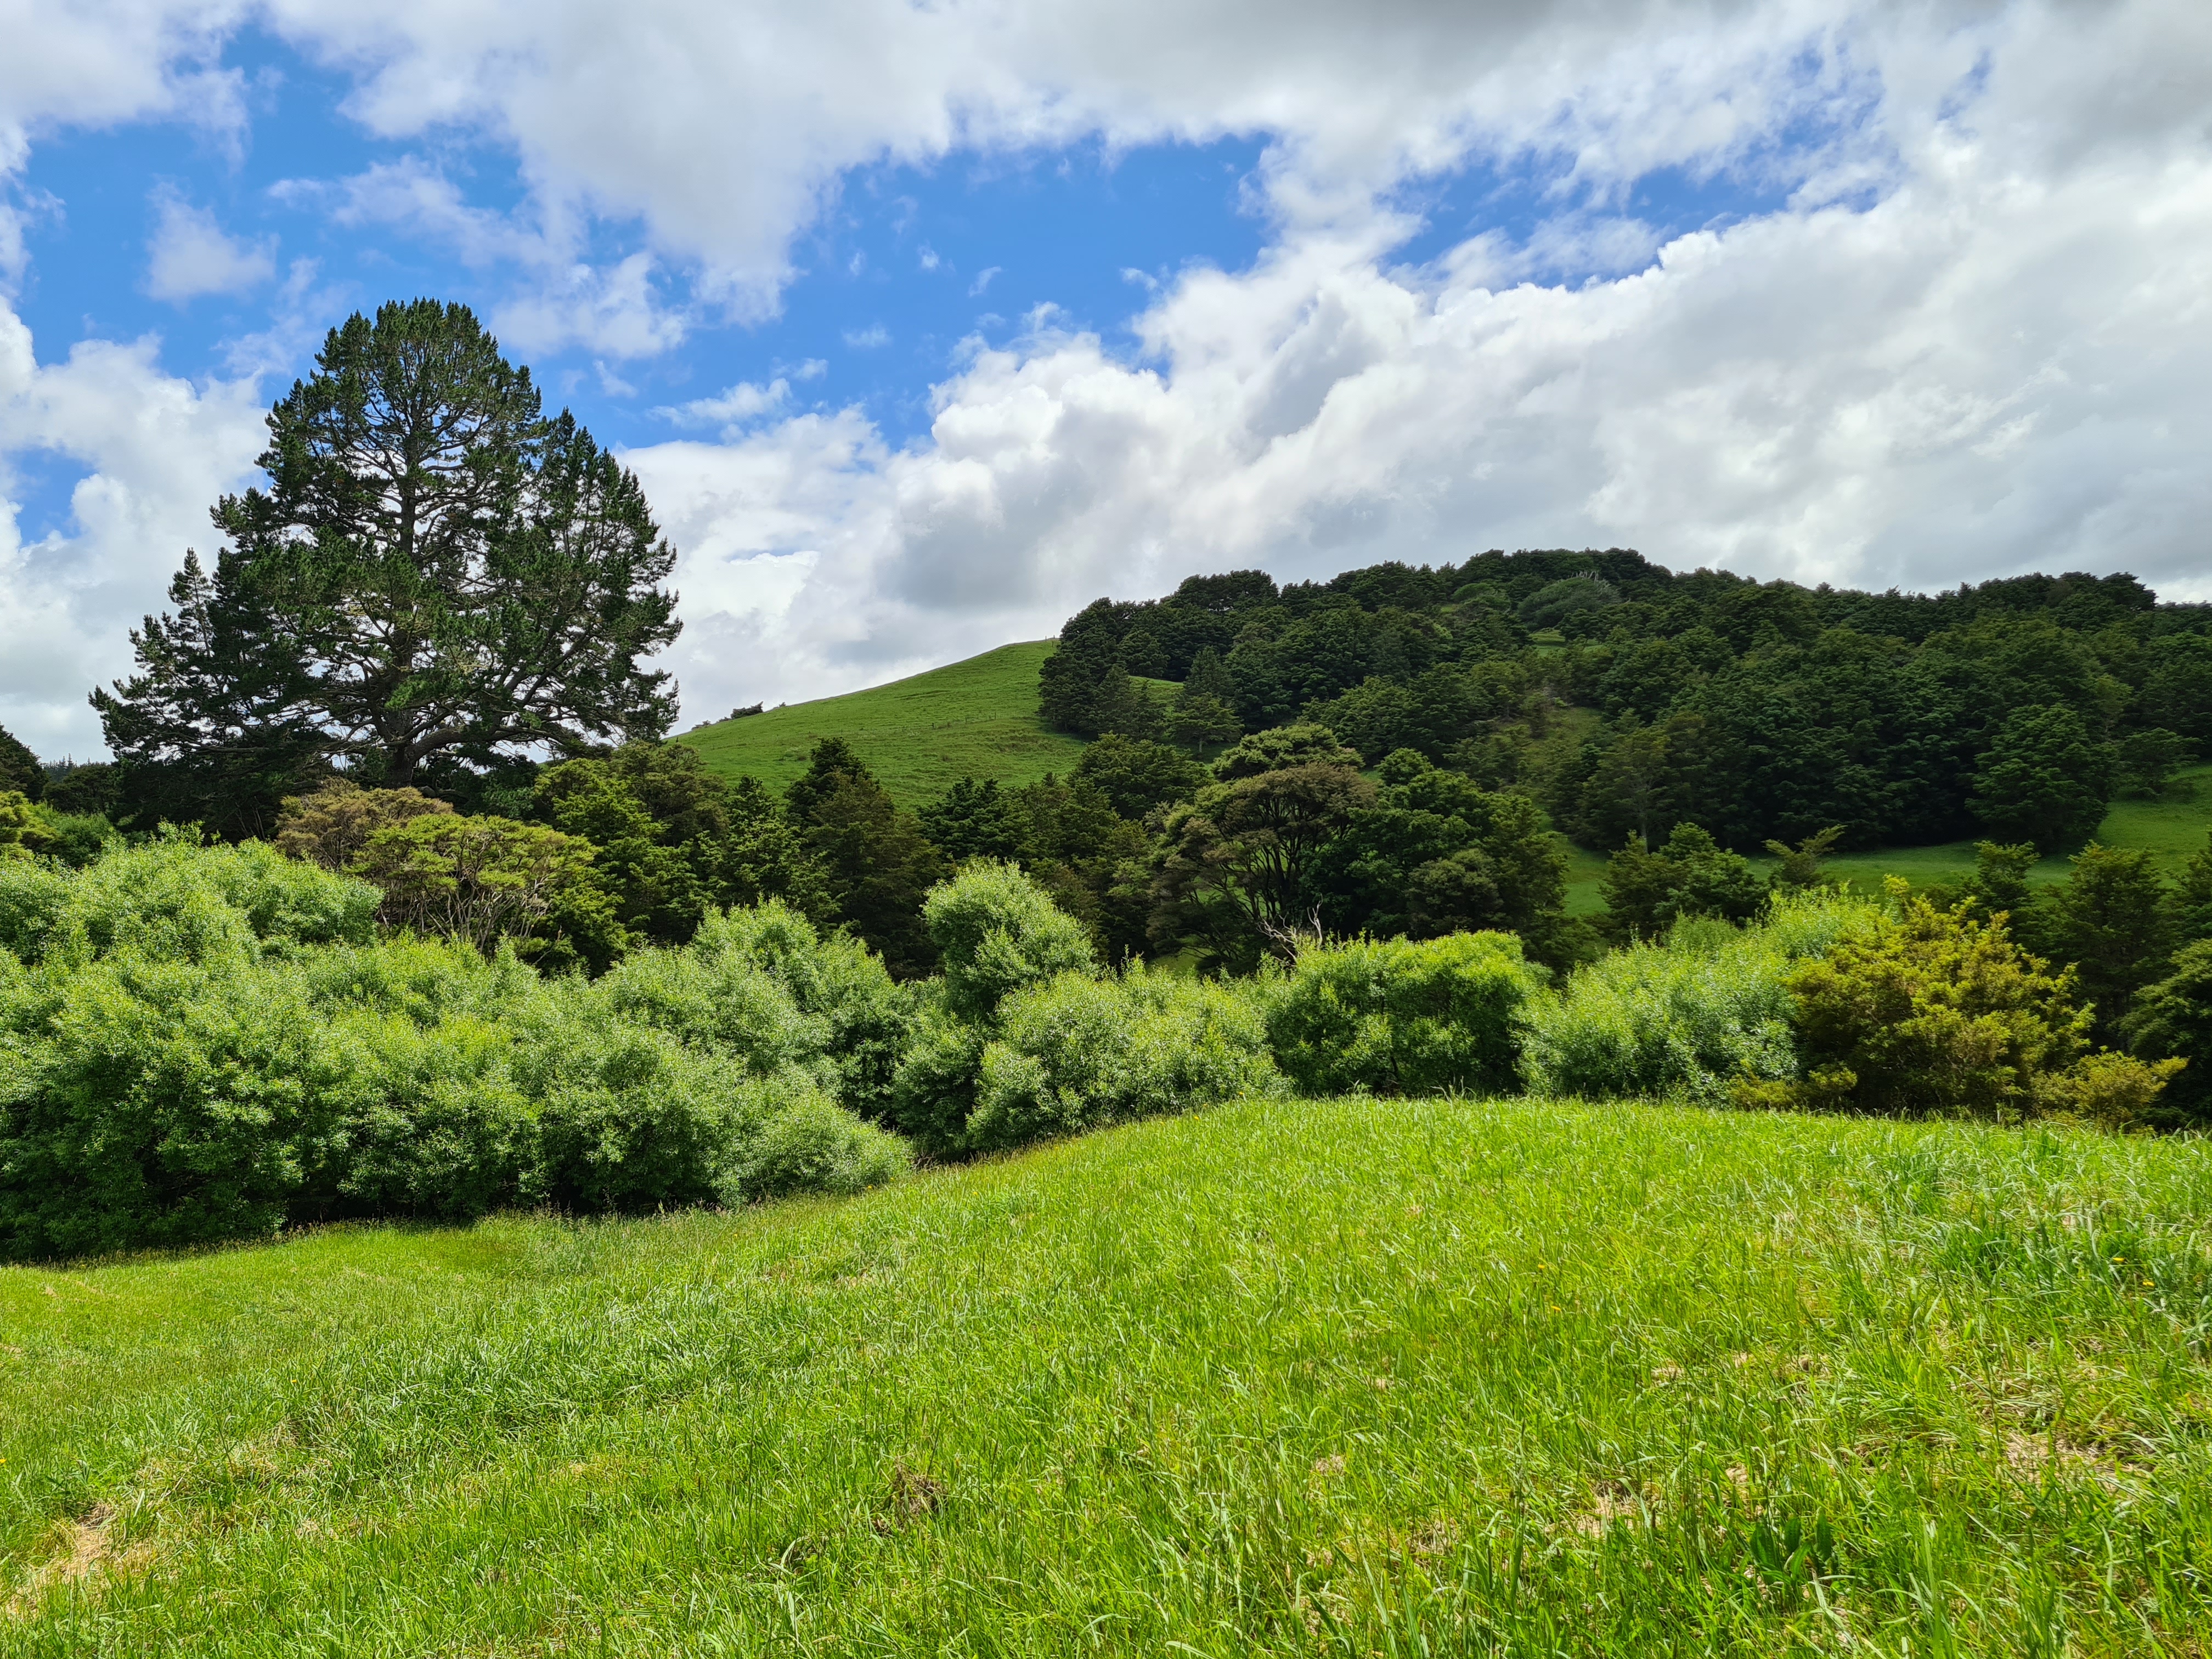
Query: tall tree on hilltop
(436,569)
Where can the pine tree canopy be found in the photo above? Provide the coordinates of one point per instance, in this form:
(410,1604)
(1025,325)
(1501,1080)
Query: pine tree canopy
(435,569)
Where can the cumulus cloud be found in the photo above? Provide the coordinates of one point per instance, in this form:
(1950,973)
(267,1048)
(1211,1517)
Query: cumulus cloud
(1993,365)
(154,451)
(614,309)
(733,408)
(1968,337)
(190,255)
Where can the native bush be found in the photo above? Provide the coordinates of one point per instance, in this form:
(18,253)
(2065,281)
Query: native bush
(2173,1020)
(867,1016)
(1403,1017)
(1077,1053)
(1928,1012)
(810,1145)
(1683,1020)
(1021,1039)
(184,1059)
(997,931)
(721,1004)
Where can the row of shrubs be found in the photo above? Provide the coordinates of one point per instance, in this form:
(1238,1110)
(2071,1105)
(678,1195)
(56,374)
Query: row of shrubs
(201,1044)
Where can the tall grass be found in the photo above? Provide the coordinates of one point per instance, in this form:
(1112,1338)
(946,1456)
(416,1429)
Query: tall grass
(1289,1377)
(1684,1019)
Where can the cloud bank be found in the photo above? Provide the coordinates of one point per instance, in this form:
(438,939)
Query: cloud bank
(1967,335)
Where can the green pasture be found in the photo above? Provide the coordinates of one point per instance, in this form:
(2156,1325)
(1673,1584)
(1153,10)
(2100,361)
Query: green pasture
(1351,1377)
(920,736)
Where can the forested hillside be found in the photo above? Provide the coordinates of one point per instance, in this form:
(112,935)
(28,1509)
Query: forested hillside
(1625,697)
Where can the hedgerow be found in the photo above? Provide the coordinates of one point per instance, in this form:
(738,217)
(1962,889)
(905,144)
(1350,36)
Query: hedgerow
(203,1043)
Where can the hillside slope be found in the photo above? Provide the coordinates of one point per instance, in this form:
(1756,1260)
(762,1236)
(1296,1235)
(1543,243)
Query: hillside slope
(979,718)
(1352,1376)
(919,736)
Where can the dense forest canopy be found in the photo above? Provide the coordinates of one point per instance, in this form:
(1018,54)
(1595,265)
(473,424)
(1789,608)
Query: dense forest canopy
(1626,698)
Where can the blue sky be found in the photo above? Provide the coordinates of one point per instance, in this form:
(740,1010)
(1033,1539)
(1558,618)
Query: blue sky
(891,285)
(925,325)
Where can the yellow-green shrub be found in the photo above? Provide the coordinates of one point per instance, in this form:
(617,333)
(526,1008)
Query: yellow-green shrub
(1928,1013)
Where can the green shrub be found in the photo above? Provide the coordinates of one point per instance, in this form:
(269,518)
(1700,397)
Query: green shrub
(812,1145)
(33,897)
(2173,1020)
(1933,1013)
(150,1101)
(716,1003)
(1403,1017)
(180,1061)
(1686,1019)
(934,1093)
(997,931)
(836,980)
(1077,1053)
(173,899)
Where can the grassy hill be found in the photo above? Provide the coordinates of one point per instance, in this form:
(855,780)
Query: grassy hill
(1358,1378)
(919,735)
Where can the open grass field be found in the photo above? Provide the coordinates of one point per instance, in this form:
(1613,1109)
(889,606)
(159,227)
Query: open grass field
(920,736)
(1400,1377)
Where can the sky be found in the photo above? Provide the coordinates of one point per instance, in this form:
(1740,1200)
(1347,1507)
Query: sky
(925,324)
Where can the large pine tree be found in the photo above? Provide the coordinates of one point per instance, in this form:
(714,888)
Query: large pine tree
(437,572)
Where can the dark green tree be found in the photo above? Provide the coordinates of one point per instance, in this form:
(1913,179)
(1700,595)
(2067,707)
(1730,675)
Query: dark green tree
(1553,603)
(1094,862)
(2147,761)
(674,841)
(1799,865)
(973,820)
(1435,854)
(1203,715)
(1648,889)
(435,569)
(19,767)
(2046,778)
(1069,682)
(2110,919)
(2192,898)
(214,728)
(1237,869)
(2171,1019)
(875,859)
(1136,776)
(88,788)
(1999,884)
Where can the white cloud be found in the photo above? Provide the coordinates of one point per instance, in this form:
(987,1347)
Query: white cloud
(1973,340)
(156,451)
(105,61)
(189,256)
(868,338)
(731,410)
(1996,365)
